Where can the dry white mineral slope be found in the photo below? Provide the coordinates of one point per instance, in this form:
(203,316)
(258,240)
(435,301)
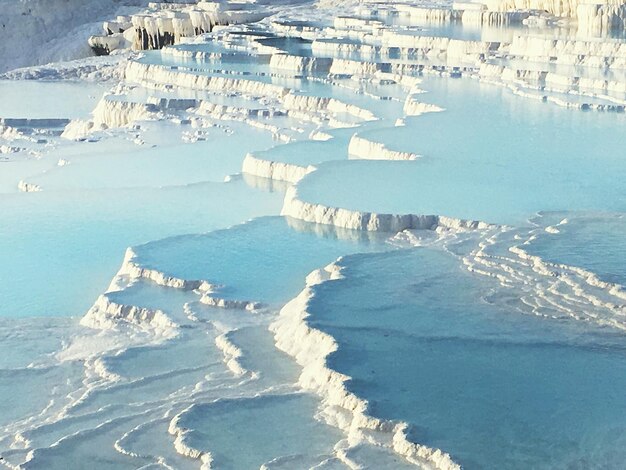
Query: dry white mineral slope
(36,32)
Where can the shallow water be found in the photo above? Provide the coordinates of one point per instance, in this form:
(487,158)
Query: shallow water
(44,273)
(158,377)
(495,388)
(592,241)
(500,359)
(265,260)
(490,156)
(53,99)
(216,156)
(220,426)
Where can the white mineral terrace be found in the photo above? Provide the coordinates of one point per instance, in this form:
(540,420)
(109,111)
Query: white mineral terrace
(241,174)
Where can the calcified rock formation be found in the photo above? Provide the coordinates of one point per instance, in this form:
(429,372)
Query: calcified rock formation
(164,24)
(562,8)
(591,16)
(371,221)
(368,150)
(595,17)
(163,28)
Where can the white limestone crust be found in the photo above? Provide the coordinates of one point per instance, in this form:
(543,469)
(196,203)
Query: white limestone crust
(368,221)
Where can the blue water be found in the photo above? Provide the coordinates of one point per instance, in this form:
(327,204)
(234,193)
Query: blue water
(490,156)
(218,155)
(224,429)
(592,241)
(61,249)
(265,260)
(310,152)
(54,99)
(494,388)
(425,341)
